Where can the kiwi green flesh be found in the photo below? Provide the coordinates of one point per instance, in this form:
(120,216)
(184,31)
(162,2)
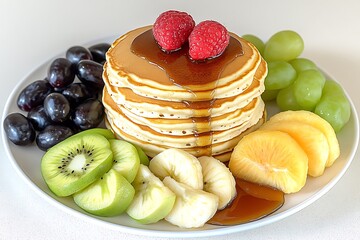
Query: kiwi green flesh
(144,159)
(107,133)
(76,162)
(108,196)
(153,201)
(126,158)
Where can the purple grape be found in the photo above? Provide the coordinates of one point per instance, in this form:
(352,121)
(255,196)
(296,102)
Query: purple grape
(60,73)
(89,114)
(90,73)
(57,107)
(33,95)
(52,135)
(19,129)
(77,93)
(98,51)
(77,53)
(38,118)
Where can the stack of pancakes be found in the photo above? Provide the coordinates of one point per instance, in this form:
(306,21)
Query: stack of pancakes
(159,100)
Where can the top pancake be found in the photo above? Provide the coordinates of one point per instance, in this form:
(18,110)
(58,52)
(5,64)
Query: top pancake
(126,69)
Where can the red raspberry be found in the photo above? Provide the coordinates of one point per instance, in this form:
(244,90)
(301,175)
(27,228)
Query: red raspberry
(172,29)
(209,39)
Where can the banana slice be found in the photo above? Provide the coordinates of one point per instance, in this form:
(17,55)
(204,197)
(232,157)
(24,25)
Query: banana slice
(178,164)
(193,207)
(218,180)
(152,200)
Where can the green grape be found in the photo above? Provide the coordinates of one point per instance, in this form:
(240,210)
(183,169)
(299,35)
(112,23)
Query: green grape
(269,95)
(258,43)
(286,100)
(331,111)
(283,46)
(280,75)
(334,106)
(333,90)
(302,64)
(308,88)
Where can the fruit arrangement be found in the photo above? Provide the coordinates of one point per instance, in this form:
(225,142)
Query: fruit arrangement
(297,83)
(287,148)
(107,177)
(62,104)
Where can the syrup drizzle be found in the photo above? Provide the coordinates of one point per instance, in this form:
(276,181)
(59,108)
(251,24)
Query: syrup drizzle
(187,74)
(252,202)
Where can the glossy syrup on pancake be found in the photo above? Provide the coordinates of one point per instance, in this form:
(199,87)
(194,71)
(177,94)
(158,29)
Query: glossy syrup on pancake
(184,72)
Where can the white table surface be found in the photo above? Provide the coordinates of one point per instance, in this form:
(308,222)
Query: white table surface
(33,31)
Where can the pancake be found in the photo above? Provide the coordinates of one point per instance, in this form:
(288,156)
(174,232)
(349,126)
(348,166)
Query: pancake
(153,149)
(158,100)
(147,107)
(182,136)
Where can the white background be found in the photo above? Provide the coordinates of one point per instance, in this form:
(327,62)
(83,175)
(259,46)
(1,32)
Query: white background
(33,31)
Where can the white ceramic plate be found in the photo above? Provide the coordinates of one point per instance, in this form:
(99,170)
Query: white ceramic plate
(26,160)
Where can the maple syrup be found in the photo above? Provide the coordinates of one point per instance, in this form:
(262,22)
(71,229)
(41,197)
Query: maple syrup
(251,203)
(181,70)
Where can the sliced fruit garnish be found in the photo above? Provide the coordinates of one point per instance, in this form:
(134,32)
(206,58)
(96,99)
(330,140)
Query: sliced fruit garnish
(153,200)
(108,196)
(317,122)
(144,159)
(218,180)
(311,140)
(178,164)
(270,158)
(126,158)
(75,163)
(193,207)
(107,133)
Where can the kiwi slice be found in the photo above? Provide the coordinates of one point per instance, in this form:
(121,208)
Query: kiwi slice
(144,159)
(76,162)
(107,133)
(126,158)
(153,201)
(109,196)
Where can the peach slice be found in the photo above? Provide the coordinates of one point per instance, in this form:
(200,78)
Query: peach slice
(317,122)
(270,158)
(311,140)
